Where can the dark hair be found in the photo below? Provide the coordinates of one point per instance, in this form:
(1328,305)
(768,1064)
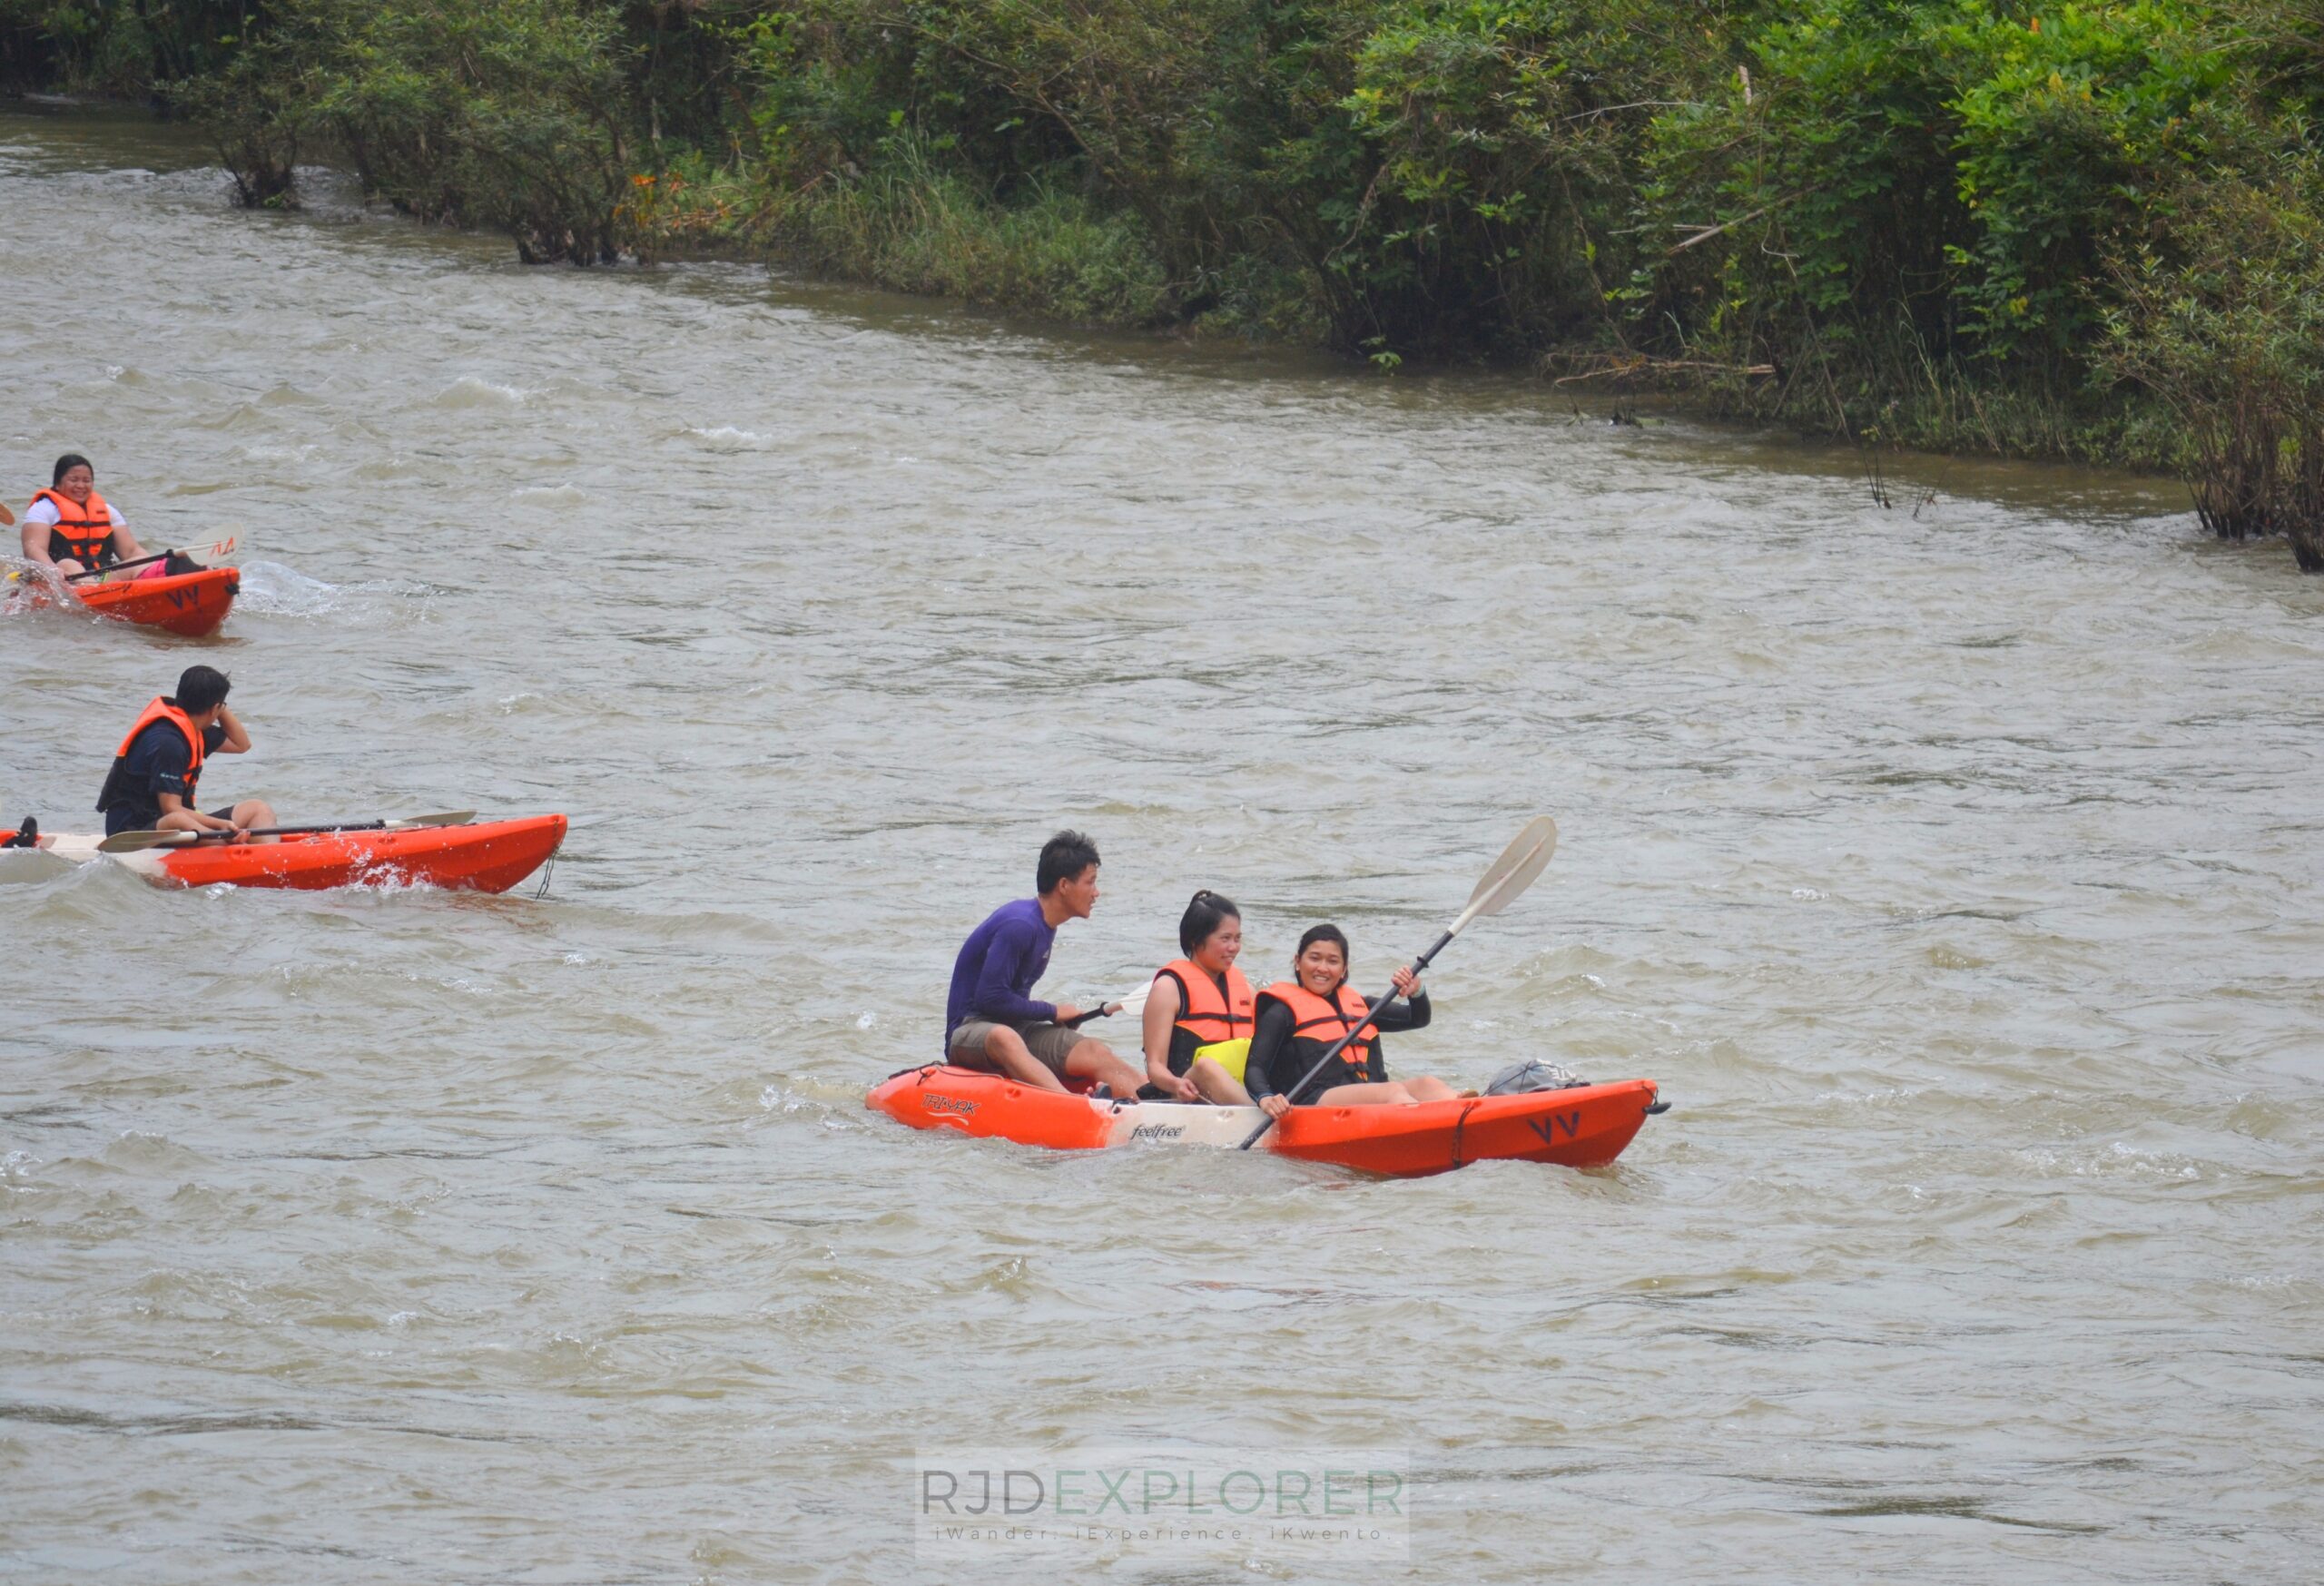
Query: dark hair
(1315,933)
(200,687)
(1063,857)
(1205,910)
(66,464)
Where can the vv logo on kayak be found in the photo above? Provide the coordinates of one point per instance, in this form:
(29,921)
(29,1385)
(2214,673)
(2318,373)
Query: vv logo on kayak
(1547,1128)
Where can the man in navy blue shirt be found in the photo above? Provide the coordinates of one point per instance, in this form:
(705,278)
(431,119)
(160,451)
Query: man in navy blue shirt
(992,1023)
(154,772)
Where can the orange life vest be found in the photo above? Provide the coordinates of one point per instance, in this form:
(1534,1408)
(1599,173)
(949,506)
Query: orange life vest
(1315,1024)
(161,710)
(1204,1014)
(84,533)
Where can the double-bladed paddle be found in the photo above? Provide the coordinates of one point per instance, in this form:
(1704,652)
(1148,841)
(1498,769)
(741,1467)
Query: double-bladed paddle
(1510,874)
(137,842)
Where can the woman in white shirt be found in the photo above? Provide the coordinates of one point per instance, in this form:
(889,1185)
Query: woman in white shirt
(71,528)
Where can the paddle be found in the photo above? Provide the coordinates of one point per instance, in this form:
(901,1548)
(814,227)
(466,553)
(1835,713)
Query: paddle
(1133,1003)
(224,548)
(138,841)
(1510,874)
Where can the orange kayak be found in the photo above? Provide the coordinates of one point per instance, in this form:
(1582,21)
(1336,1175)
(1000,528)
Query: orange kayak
(1585,1126)
(484,856)
(190,604)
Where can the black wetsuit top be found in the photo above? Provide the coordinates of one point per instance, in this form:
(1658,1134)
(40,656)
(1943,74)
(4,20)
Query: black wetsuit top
(1278,1058)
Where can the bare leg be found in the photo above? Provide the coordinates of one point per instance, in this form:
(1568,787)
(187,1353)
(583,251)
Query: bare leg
(252,812)
(1391,1094)
(1094,1060)
(1428,1088)
(1010,1054)
(1217,1084)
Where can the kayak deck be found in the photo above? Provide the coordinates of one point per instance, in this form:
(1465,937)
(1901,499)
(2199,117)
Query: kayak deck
(484,856)
(1584,1127)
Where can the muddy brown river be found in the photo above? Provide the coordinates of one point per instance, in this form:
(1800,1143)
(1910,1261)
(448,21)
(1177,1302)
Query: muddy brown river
(1954,866)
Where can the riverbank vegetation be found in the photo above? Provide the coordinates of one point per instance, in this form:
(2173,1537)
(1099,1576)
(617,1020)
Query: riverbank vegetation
(2083,231)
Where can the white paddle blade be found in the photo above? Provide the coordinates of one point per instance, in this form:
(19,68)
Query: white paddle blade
(1514,870)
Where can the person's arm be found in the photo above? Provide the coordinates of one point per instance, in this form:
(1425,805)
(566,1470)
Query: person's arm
(125,548)
(1269,1033)
(237,740)
(35,534)
(996,996)
(1162,1005)
(1391,1014)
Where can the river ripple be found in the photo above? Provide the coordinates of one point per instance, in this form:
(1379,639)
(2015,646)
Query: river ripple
(1953,868)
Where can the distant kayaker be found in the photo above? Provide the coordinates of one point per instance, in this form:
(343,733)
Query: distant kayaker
(1298,1021)
(70,527)
(155,771)
(1198,1015)
(991,1022)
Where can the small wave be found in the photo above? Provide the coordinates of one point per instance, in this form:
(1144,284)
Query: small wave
(726,437)
(468,391)
(275,590)
(551,496)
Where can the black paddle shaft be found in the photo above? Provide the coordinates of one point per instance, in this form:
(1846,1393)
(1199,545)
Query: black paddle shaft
(117,567)
(293,830)
(1308,1078)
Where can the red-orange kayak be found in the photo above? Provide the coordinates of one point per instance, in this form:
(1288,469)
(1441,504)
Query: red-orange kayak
(484,856)
(191,604)
(1584,1127)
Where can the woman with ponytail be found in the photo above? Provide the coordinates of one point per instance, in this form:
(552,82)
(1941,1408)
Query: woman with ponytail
(1198,1015)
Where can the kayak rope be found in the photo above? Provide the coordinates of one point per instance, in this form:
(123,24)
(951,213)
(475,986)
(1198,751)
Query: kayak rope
(1459,1124)
(548,871)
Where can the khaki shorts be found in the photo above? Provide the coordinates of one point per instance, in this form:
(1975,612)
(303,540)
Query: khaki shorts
(1046,1041)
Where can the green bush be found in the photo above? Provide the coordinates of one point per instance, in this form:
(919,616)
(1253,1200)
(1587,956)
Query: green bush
(1956,223)
(514,115)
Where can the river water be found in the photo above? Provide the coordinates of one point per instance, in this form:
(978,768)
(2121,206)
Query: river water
(1954,867)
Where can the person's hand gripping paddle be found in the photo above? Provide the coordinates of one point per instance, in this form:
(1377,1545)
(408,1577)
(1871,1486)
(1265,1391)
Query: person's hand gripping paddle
(1510,874)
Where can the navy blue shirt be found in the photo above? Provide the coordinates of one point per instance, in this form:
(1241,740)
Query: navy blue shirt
(156,764)
(1001,961)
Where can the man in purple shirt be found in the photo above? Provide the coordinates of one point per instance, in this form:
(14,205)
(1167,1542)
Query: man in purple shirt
(990,1023)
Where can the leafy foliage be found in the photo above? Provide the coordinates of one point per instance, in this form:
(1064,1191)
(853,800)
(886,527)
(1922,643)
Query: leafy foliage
(1959,221)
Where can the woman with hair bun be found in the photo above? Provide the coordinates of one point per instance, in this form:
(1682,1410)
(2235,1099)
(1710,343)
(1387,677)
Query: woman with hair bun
(1298,1019)
(1198,1015)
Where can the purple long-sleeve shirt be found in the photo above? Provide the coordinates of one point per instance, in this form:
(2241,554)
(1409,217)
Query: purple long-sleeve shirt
(1000,962)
